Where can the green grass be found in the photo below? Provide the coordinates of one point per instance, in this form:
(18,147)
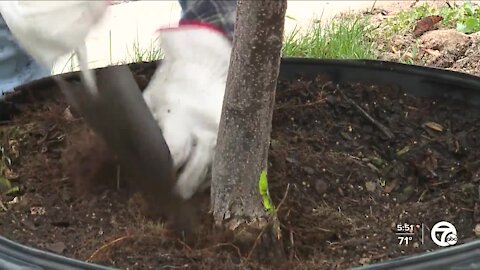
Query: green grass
(135,53)
(350,36)
(138,54)
(346,37)
(465,18)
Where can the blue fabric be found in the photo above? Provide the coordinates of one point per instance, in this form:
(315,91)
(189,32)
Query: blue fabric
(183,4)
(16,66)
(217,12)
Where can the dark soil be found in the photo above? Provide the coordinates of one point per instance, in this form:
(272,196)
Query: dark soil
(349,184)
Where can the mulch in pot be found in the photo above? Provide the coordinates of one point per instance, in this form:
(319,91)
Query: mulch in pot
(357,159)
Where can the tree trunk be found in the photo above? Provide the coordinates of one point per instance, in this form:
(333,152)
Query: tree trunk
(244,133)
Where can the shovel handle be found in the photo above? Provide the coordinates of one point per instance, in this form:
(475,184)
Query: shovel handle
(120,115)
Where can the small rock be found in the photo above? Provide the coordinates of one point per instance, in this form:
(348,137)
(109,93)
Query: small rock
(371,186)
(321,186)
(364,261)
(68,114)
(449,39)
(57,247)
(451,45)
(477,230)
(37,210)
(434,126)
(15,200)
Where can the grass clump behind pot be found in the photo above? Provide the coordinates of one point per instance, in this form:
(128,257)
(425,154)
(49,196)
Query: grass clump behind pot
(346,37)
(138,53)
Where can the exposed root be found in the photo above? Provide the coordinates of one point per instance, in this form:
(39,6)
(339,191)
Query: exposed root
(106,246)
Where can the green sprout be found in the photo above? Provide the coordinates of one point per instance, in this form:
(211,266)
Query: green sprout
(263,188)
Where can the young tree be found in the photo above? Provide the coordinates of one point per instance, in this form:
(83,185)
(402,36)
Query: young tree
(244,133)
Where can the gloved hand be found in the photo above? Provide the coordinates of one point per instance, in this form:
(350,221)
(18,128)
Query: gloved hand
(50,29)
(185,96)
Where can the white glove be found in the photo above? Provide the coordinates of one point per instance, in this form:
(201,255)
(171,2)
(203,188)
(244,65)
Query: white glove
(185,96)
(50,29)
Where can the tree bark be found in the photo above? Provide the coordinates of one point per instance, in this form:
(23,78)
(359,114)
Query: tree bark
(245,126)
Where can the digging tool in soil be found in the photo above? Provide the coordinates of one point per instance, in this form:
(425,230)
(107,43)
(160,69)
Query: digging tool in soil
(120,116)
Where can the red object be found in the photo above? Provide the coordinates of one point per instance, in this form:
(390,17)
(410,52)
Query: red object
(194,24)
(426,24)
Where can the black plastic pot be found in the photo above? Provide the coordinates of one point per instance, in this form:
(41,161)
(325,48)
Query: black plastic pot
(415,80)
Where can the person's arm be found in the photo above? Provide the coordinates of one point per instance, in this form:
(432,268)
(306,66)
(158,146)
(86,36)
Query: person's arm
(16,66)
(50,29)
(186,92)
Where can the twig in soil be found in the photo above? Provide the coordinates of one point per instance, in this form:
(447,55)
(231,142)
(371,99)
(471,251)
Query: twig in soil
(185,266)
(323,229)
(291,106)
(61,180)
(284,197)
(379,125)
(185,245)
(107,245)
(292,242)
(439,183)
(264,228)
(5,122)
(420,198)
